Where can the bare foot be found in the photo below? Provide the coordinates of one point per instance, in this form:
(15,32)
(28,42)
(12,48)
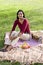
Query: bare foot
(9,48)
(5,47)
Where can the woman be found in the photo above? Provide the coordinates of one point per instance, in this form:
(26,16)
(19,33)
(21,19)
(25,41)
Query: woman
(23,25)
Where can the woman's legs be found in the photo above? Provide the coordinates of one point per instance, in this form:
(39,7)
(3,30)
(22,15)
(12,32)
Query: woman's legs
(8,43)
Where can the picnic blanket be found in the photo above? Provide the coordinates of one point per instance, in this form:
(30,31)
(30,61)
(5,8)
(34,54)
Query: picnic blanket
(30,42)
(26,56)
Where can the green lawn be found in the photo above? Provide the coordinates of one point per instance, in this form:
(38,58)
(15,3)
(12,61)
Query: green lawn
(8,8)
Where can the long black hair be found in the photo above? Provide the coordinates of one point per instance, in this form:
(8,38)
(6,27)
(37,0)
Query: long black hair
(22,12)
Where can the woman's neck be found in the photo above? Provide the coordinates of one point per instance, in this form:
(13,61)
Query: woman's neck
(21,20)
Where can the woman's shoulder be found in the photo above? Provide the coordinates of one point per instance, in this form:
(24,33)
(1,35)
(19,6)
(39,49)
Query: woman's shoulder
(16,21)
(25,19)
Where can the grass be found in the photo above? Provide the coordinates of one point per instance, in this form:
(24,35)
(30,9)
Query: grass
(8,8)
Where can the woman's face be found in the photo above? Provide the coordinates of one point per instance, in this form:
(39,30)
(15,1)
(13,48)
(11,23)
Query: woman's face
(20,15)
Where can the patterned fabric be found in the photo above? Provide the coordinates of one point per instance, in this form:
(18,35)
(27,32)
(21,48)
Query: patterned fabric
(31,55)
(25,56)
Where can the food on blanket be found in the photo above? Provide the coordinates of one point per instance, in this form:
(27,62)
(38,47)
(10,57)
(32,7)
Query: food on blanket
(25,46)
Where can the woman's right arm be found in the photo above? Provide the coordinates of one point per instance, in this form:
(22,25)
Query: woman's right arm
(13,28)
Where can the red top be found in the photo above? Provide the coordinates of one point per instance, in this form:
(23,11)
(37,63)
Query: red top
(24,28)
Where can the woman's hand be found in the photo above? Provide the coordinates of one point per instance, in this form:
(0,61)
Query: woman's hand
(10,37)
(19,34)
